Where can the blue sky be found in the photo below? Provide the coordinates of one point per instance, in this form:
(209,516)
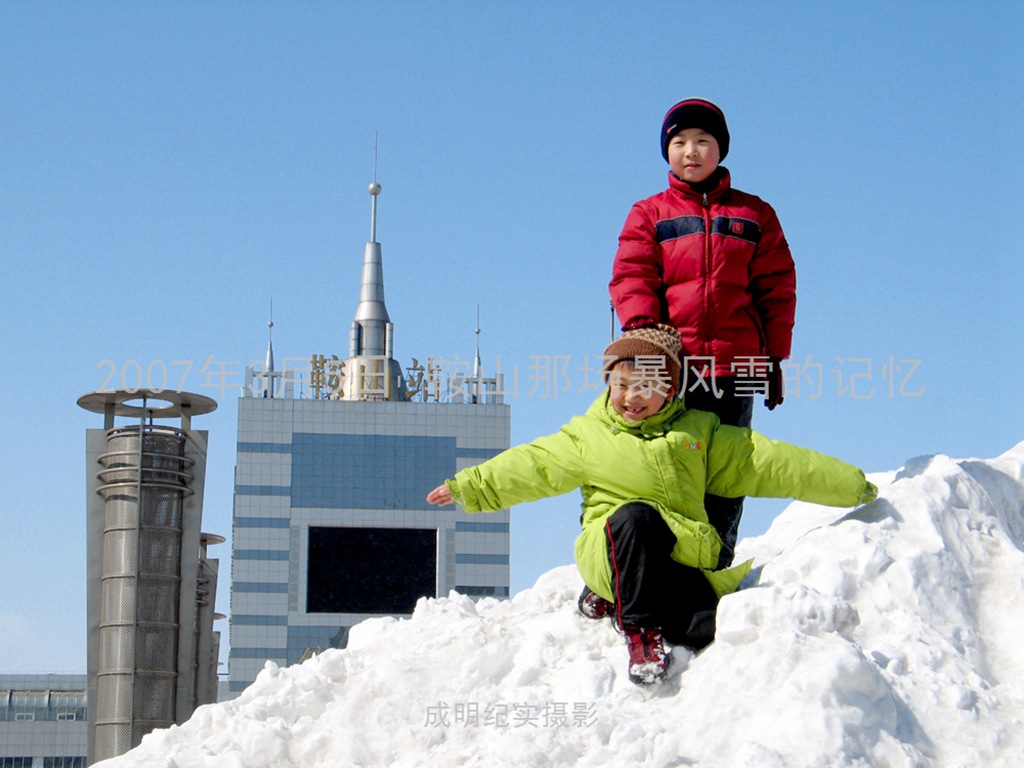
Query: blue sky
(168,169)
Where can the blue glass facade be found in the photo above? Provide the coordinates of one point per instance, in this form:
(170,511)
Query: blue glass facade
(368,471)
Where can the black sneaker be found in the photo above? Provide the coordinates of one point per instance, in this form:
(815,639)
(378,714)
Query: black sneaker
(593,606)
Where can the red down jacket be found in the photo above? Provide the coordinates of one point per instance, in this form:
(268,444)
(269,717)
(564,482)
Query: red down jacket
(716,266)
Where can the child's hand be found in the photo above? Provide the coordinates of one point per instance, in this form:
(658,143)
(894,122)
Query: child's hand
(776,387)
(870,494)
(440,496)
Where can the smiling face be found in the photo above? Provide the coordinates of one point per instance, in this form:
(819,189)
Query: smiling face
(693,154)
(634,394)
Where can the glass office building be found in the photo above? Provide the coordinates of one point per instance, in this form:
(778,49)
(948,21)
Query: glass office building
(331,525)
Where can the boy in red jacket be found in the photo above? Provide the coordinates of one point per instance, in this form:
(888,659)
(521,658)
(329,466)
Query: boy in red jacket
(712,262)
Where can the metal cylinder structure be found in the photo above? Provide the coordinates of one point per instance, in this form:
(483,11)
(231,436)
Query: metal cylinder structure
(204,690)
(143,483)
(151,584)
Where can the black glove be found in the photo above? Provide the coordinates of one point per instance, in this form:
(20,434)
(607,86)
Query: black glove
(776,391)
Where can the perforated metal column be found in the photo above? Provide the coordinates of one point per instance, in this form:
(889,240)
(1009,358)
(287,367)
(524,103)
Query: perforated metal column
(144,481)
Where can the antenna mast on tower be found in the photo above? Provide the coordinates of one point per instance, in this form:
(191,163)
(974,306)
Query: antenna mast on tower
(268,366)
(374,191)
(476,358)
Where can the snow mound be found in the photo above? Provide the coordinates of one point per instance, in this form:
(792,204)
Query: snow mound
(887,635)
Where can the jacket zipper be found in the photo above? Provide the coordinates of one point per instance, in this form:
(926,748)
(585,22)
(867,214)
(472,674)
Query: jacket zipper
(707,274)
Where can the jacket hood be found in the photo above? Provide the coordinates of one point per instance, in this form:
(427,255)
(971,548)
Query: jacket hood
(602,410)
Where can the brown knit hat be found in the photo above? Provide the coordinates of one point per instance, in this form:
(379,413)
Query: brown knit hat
(658,348)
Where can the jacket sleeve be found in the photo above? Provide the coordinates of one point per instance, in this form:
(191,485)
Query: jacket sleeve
(741,462)
(549,466)
(637,272)
(773,286)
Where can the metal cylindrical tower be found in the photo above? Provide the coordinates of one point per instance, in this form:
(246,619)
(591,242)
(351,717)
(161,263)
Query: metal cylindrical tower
(145,567)
(143,483)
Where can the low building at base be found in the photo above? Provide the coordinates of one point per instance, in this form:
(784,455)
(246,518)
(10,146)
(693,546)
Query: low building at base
(43,721)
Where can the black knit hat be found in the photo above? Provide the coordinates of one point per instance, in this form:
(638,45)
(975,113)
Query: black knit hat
(695,113)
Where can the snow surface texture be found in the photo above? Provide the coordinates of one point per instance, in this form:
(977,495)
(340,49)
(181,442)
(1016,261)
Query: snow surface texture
(885,636)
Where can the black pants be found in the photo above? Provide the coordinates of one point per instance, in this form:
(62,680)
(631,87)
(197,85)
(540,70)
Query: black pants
(652,589)
(737,411)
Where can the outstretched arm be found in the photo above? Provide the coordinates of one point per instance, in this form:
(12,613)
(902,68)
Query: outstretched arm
(548,466)
(742,462)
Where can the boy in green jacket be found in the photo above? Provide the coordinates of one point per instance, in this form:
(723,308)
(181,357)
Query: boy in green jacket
(643,462)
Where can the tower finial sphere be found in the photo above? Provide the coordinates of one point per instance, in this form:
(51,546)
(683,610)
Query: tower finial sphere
(375,188)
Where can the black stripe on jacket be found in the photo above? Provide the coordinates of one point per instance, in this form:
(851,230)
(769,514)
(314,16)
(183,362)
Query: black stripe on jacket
(725,226)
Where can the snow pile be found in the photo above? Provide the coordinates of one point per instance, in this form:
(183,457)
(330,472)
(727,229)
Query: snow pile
(888,635)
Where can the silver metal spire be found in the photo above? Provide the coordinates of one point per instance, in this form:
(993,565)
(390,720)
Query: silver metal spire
(476,386)
(268,365)
(476,358)
(371,328)
(371,372)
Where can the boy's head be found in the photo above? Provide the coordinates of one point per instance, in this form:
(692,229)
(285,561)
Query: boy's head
(642,368)
(695,113)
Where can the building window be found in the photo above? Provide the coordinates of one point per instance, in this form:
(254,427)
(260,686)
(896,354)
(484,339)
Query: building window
(15,762)
(29,699)
(67,699)
(63,762)
(370,570)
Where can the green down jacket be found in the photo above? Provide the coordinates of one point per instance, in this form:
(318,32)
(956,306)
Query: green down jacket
(668,461)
